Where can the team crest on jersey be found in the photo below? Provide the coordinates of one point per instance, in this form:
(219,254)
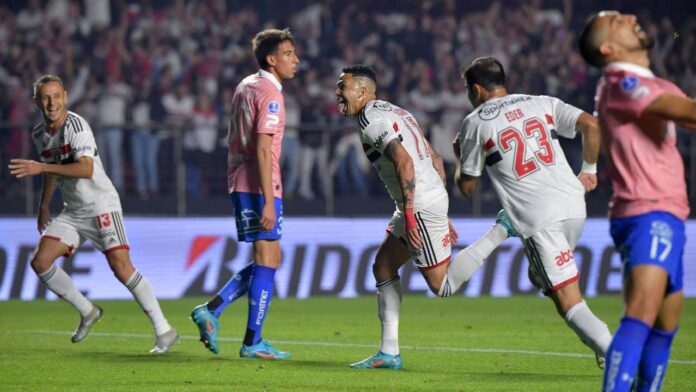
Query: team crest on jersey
(383,106)
(273,107)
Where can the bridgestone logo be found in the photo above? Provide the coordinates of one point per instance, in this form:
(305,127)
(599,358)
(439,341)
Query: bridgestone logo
(262,307)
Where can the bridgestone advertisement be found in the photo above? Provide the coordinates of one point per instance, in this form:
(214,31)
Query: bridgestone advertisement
(321,256)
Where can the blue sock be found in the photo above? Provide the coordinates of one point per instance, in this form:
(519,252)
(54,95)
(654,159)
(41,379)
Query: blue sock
(260,295)
(236,287)
(624,355)
(653,362)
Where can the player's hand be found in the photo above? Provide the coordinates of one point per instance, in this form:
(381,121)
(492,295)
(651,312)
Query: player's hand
(454,236)
(44,219)
(268,217)
(456,148)
(588,180)
(25,167)
(414,239)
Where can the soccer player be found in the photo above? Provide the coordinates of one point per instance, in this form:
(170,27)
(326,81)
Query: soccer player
(92,210)
(414,176)
(253,177)
(637,113)
(515,138)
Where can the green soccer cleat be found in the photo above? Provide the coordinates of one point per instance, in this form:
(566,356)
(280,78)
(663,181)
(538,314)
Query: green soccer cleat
(262,350)
(504,220)
(380,361)
(208,327)
(86,324)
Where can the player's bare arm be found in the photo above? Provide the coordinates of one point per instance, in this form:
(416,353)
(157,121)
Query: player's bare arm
(438,164)
(467,184)
(397,154)
(82,168)
(47,191)
(265,159)
(588,126)
(674,108)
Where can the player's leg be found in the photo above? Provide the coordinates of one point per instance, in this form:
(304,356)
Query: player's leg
(445,280)
(108,234)
(391,255)
(267,258)
(652,248)
(552,270)
(61,238)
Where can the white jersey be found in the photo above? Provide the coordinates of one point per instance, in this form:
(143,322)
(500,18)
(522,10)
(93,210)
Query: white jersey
(380,123)
(515,138)
(82,197)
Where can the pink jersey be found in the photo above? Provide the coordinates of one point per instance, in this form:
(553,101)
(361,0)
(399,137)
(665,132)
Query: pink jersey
(646,168)
(257,107)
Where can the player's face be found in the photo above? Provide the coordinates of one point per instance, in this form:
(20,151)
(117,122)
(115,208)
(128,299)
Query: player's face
(51,98)
(285,60)
(625,31)
(348,95)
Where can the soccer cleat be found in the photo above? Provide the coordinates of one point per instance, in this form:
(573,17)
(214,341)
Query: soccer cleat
(86,324)
(504,220)
(208,327)
(262,350)
(165,341)
(380,361)
(600,361)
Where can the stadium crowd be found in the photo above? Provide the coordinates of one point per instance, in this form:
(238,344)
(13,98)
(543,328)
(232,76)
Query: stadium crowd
(156,77)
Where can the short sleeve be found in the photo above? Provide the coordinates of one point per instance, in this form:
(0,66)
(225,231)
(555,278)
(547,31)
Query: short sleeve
(565,117)
(78,134)
(270,112)
(379,133)
(471,149)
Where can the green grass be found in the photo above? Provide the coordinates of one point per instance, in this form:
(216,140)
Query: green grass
(457,344)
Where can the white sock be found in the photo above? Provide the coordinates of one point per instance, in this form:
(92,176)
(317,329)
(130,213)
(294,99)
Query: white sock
(59,282)
(468,260)
(591,330)
(389,305)
(143,293)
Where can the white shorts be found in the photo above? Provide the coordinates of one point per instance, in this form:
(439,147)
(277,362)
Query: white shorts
(106,231)
(433,226)
(550,253)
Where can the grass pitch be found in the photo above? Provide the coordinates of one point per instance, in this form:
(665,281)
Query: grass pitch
(453,344)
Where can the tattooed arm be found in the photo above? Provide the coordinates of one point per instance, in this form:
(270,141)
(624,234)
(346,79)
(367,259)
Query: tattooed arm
(403,164)
(438,163)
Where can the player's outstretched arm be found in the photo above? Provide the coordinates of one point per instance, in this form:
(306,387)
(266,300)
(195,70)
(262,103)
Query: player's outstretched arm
(403,165)
(672,107)
(588,126)
(82,168)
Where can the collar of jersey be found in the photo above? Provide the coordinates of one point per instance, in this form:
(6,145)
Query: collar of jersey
(269,76)
(636,69)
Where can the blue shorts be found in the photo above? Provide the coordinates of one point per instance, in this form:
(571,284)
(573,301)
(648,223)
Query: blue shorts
(656,238)
(247,213)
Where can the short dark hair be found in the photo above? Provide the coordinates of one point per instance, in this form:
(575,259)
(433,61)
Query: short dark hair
(486,72)
(266,42)
(361,70)
(588,49)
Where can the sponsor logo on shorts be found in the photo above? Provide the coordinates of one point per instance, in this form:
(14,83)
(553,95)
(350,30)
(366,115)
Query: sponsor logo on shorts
(564,257)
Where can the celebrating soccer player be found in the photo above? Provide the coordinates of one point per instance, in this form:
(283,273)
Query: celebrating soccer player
(253,177)
(414,176)
(92,210)
(637,113)
(515,138)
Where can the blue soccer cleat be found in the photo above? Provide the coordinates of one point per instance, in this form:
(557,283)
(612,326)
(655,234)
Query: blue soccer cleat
(262,350)
(208,327)
(504,220)
(380,361)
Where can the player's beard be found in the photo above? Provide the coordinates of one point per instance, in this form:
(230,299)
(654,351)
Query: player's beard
(647,42)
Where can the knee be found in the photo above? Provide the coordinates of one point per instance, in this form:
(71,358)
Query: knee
(41,263)
(382,272)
